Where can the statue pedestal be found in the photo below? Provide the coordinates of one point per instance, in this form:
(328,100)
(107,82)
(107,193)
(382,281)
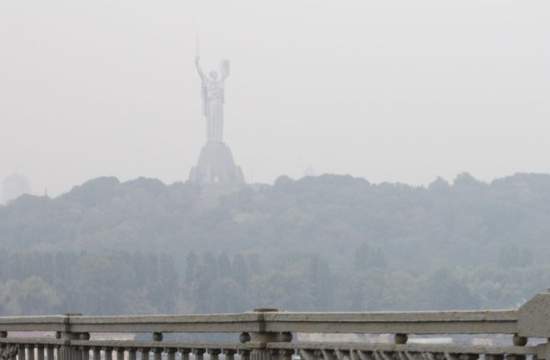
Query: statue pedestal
(216,166)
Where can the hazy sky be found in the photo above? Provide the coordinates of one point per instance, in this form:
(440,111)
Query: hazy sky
(390,90)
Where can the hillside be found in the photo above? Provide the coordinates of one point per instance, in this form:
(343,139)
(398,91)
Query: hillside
(489,239)
(468,221)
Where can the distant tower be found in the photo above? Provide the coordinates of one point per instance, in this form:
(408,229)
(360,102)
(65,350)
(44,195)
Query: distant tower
(216,164)
(13,187)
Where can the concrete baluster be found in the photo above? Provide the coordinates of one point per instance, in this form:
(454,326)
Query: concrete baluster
(39,352)
(184,353)
(85,352)
(363,355)
(198,354)
(49,352)
(285,354)
(170,354)
(340,355)
(96,353)
(108,353)
(328,355)
(157,353)
(307,354)
(30,352)
(229,354)
(144,353)
(214,354)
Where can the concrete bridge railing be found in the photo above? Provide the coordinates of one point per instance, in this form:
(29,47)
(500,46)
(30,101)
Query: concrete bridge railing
(267,334)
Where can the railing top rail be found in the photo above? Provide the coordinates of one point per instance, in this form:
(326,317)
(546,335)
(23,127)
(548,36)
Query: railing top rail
(164,318)
(53,319)
(443,322)
(135,323)
(33,323)
(243,322)
(530,320)
(385,316)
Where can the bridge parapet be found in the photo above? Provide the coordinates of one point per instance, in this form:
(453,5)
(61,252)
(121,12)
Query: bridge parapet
(267,334)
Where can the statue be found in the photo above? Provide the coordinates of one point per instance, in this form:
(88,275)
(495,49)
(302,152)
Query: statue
(212,92)
(216,165)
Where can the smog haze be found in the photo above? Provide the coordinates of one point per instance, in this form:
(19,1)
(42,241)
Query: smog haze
(387,90)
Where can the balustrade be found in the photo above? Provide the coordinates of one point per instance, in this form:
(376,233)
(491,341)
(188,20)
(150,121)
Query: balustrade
(266,334)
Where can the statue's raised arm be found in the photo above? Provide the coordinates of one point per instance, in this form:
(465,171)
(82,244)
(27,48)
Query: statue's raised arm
(199,69)
(225,69)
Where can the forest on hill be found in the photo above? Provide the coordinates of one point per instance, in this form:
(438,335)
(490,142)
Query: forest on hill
(318,243)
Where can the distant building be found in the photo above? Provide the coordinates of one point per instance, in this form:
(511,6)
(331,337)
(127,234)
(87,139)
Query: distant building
(13,187)
(216,164)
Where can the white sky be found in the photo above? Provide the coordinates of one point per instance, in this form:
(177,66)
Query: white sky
(390,90)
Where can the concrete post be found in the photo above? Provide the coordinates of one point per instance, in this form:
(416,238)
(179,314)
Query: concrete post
(257,341)
(66,351)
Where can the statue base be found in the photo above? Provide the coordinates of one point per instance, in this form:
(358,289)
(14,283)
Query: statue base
(216,166)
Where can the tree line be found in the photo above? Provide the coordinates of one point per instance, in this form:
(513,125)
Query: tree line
(134,283)
(318,243)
